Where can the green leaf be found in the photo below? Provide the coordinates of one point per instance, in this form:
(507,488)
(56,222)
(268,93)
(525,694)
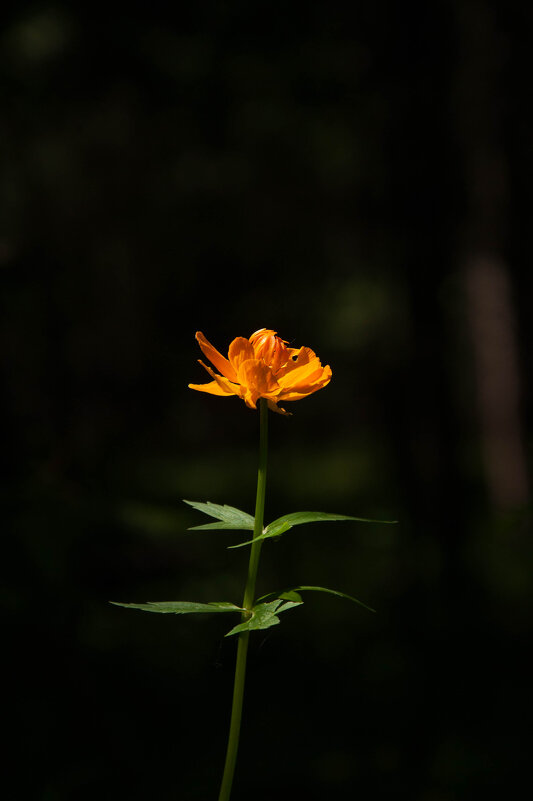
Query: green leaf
(230,517)
(289,595)
(214,526)
(309,588)
(281,529)
(288,605)
(280,525)
(261,537)
(182,607)
(265,615)
(283,524)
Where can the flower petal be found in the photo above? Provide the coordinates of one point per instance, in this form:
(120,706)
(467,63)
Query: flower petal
(271,349)
(240,350)
(273,406)
(216,358)
(263,367)
(257,381)
(302,390)
(223,383)
(259,331)
(298,357)
(302,371)
(212,389)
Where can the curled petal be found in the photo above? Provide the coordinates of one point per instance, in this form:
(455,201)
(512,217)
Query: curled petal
(271,349)
(255,334)
(216,358)
(240,350)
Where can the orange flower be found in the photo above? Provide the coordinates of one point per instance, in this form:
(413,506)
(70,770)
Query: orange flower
(263,367)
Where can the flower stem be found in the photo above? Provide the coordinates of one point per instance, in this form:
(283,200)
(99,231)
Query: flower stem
(249,592)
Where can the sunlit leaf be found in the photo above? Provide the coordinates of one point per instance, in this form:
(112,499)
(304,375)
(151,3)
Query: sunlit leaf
(265,615)
(288,605)
(182,607)
(261,537)
(278,526)
(229,517)
(283,524)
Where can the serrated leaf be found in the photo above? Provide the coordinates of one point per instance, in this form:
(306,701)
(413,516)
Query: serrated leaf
(229,517)
(182,607)
(264,616)
(309,588)
(220,525)
(283,524)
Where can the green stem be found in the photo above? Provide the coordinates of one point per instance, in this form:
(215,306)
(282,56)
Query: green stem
(249,592)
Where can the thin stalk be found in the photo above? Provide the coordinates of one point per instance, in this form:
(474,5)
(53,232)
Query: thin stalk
(249,592)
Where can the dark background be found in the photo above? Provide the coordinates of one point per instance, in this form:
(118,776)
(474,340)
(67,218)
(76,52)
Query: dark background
(360,182)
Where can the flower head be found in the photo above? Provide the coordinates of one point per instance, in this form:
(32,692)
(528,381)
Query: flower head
(263,366)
